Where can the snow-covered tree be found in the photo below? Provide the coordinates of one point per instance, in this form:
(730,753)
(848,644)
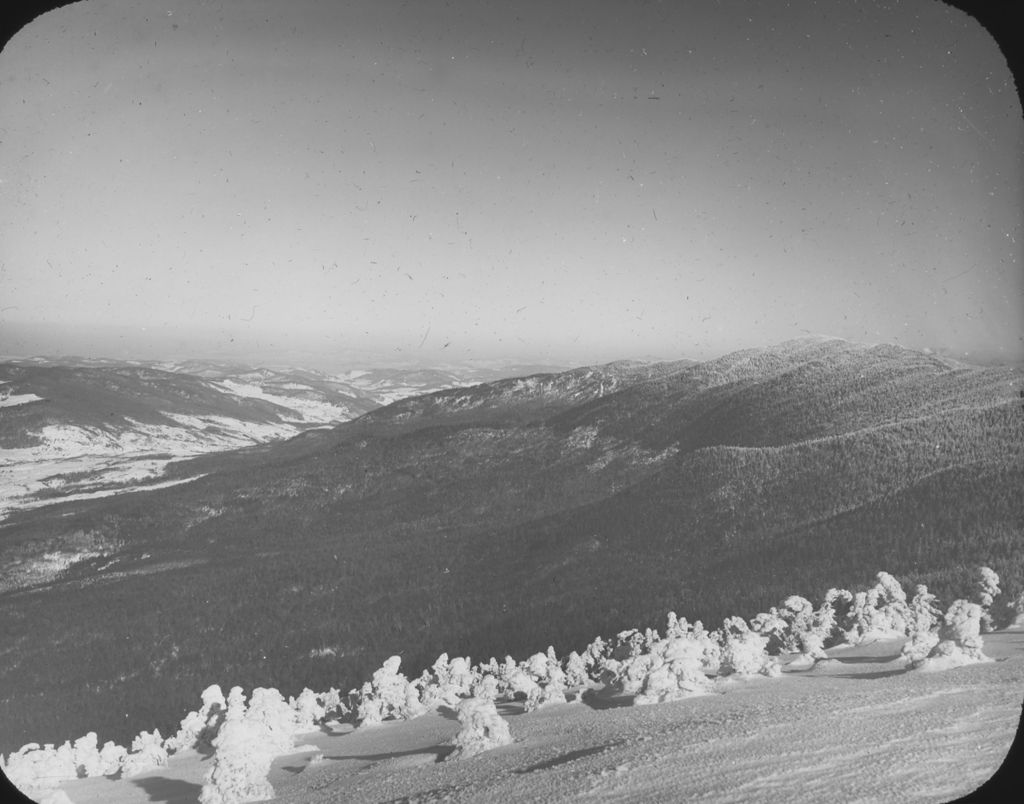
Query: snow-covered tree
(549,681)
(198,728)
(987,589)
(881,612)
(575,669)
(743,651)
(482,728)
(922,626)
(388,695)
(674,670)
(37,770)
(837,608)
(148,753)
(1017,612)
(446,682)
(960,640)
(242,758)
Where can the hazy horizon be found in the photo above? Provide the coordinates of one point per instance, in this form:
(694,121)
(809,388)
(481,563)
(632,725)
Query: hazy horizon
(528,182)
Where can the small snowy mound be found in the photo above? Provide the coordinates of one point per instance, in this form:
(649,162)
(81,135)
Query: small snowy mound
(960,639)
(482,729)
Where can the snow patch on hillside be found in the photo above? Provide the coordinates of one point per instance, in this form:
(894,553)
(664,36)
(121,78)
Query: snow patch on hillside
(304,409)
(11,400)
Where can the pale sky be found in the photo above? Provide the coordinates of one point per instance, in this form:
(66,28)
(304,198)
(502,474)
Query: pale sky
(573,181)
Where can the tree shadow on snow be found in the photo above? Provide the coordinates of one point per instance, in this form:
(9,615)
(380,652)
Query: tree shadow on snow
(571,756)
(597,700)
(439,752)
(169,791)
(866,659)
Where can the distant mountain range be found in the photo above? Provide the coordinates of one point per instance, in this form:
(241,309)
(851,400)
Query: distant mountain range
(503,517)
(89,426)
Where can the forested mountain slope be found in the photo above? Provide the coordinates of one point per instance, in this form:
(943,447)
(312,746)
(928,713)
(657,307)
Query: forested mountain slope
(512,515)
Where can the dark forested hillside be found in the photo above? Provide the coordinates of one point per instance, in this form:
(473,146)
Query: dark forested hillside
(508,516)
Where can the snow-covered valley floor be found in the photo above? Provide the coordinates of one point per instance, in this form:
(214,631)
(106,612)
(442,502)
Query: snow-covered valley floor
(858,727)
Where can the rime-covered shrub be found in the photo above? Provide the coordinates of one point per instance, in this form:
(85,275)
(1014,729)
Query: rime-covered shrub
(242,757)
(674,671)
(112,757)
(549,680)
(881,612)
(198,728)
(795,627)
(987,589)
(309,709)
(922,626)
(575,669)
(269,710)
(837,608)
(743,651)
(148,753)
(774,629)
(959,639)
(389,695)
(1016,614)
(482,728)
(446,682)
(37,770)
(593,657)
(486,687)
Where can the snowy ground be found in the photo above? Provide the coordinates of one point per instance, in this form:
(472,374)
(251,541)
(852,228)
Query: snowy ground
(857,728)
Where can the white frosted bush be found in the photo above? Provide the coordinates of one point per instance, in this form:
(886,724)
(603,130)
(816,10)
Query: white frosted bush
(575,670)
(482,729)
(148,753)
(268,709)
(389,695)
(593,655)
(1017,612)
(987,589)
(959,639)
(86,756)
(242,758)
(675,671)
(546,670)
(198,728)
(36,769)
(486,687)
(111,757)
(446,682)
(922,626)
(309,710)
(773,628)
(881,612)
(840,603)
(743,651)
(520,682)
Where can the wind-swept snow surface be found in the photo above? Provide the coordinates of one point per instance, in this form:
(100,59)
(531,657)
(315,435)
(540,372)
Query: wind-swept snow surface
(857,727)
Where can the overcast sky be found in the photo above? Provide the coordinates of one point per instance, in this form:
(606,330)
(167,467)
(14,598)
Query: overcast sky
(573,181)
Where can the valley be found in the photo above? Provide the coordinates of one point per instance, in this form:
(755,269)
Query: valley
(74,428)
